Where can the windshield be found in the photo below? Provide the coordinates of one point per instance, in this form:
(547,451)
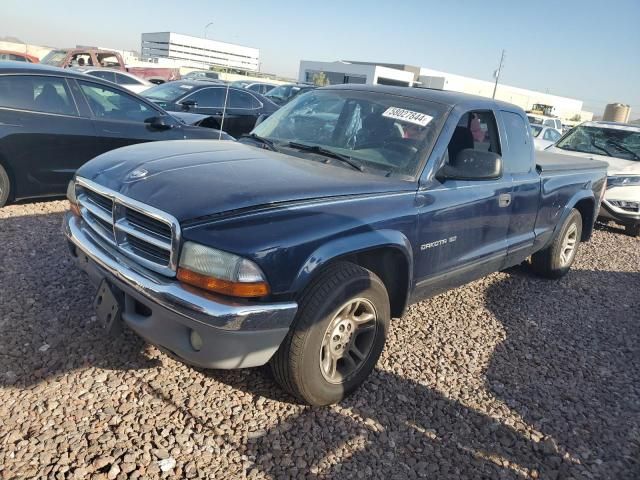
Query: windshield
(387,134)
(619,142)
(54,57)
(534,120)
(168,92)
(535,130)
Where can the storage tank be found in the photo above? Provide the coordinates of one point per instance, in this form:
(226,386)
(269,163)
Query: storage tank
(616,112)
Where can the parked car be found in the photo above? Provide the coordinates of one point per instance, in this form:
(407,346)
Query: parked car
(618,145)
(52,121)
(298,247)
(261,88)
(17,56)
(94,57)
(124,79)
(202,75)
(283,93)
(544,136)
(243,108)
(553,122)
(240,84)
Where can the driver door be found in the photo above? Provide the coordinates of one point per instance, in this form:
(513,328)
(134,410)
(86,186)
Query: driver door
(463,224)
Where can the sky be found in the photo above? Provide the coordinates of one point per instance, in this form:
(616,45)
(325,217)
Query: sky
(584,49)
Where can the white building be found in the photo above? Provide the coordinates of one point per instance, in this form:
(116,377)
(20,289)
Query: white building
(407,75)
(198,52)
(354,72)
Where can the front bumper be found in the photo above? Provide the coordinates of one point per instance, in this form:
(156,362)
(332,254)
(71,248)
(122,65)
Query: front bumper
(622,216)
(235,334)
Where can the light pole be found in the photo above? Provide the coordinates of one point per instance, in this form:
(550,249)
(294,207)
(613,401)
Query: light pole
(205,28)
(497,73)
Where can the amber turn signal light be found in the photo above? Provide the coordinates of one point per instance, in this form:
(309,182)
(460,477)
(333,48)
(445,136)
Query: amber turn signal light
(225,287)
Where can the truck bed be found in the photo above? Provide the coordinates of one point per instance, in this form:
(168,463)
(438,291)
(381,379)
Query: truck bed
(547,162)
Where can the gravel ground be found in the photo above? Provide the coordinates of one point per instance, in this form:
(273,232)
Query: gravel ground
(509,377)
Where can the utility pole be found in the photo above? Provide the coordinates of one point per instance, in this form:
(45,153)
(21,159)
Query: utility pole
(496,74)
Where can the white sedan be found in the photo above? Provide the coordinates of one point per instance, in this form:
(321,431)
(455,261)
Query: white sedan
(618,144)
(124,79)
(544,136)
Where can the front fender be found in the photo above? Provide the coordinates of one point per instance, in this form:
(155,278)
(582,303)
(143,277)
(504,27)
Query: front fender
(353,244)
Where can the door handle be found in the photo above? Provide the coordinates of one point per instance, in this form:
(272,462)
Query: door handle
(504,200)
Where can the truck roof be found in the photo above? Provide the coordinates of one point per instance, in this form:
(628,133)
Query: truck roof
(445,97)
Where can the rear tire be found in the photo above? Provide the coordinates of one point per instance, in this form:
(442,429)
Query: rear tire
(556,260)
(5,187)
(632,230)
(343,313)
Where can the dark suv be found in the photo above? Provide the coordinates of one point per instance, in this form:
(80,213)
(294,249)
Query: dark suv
(53,120)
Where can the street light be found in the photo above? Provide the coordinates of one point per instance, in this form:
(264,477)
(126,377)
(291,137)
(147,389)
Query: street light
(205,28)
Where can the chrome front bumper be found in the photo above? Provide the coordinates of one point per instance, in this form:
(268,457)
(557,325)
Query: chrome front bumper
(235,334)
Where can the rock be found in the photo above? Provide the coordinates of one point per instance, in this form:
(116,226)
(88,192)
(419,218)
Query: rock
(166,464)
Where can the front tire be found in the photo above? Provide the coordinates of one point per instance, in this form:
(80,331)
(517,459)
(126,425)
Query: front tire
(632,230)
(337,336)
(556,260)
(5,187)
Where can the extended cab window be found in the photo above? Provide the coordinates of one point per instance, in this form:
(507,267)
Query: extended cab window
(477,131)
(519,143)
(111,104)
(36,93)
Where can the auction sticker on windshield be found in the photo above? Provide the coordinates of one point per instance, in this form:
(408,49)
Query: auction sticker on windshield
(408,116)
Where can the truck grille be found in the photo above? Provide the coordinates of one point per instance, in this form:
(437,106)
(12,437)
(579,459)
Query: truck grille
(143,233)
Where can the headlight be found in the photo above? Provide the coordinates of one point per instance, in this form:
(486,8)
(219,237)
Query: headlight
(220,272)
(621,181)
(71,196)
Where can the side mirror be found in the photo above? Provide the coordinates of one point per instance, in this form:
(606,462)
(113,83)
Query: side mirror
(189,104)
(261,118)
(161,122)
(472,164)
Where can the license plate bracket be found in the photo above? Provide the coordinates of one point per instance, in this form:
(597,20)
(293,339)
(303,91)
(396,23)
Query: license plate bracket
(108,303)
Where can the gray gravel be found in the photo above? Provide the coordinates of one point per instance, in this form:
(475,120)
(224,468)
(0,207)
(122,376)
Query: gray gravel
(509,377)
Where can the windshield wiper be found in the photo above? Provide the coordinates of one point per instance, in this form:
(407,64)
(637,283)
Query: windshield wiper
(623,148)
(264,141)
(328,153)
(593,142)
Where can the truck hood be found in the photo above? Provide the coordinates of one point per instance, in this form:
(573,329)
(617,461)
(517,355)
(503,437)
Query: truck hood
(192,179)
(617,166)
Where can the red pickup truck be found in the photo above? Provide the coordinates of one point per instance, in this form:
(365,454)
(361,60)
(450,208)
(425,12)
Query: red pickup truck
(93,57)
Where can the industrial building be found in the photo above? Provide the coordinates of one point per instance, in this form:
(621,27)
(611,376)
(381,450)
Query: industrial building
(408,75)
(198,52)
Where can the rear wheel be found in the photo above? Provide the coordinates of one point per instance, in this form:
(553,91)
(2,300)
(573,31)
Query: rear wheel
(632,230)
(337,336)
(5,186)
(556,260)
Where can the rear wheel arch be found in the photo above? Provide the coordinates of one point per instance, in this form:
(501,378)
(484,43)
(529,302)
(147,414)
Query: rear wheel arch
(587,210)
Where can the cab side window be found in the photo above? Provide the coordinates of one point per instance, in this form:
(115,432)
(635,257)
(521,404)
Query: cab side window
(519,142)
(476,130)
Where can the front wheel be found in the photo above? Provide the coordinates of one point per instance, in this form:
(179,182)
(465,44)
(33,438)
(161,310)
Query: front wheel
(556,260)
(337,336)
(632,230)
(5,186)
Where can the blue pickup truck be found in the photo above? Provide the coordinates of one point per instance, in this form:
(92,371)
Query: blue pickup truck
(296,245)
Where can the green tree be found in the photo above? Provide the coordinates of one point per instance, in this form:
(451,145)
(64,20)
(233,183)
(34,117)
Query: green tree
(320,79)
